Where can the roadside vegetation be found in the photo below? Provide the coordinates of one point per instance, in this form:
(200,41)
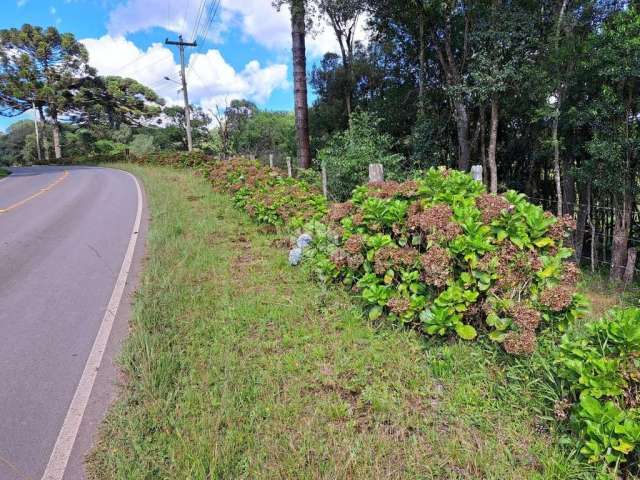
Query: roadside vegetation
(4,172)
(238,367)
(438,326)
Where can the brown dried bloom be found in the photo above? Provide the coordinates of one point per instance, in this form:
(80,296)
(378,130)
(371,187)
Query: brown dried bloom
(561,229)
(561,409)
(520,343)
(357,218)
(355,261)
(354,244)
(405,256)
(557,298)
(491,206)
(408,188)
(389,257)
(437,266)
(435,222)
(382,260)
(387,189)
(340,258)
(525,317)
(338,211)
(570,274)
(398,305)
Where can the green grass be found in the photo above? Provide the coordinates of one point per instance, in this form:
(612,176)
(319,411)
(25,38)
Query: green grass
(238,366)
(4,172)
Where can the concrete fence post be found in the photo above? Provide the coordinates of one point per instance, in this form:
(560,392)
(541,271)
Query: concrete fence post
(289,166)
(271,160)
(476,172)
(376,172)
(325,189)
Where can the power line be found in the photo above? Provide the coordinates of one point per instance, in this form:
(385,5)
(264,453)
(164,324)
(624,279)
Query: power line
(212,12)
(196,25)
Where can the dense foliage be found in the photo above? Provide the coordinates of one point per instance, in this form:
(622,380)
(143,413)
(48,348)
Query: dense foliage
(348,154)
(601,364)
(441,253)
(266,194)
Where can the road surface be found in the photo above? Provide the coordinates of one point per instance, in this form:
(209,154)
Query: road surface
(66,235)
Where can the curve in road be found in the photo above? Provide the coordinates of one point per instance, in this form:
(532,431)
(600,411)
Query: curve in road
(64,245)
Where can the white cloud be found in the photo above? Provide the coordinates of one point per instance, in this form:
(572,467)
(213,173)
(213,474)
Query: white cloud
(21,3)
(271,28)
(211,79)
(255,19)
(178,17)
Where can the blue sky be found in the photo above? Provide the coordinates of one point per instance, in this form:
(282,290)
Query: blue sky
(246,53)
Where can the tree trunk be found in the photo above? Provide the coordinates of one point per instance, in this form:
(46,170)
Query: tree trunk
(630,269)
(620,243)
(556,159)
(483,153)
(462,124)
(491,156)
(43,135)
(423,65)
(55,133)
(568,187)
(594,243)
(300,82)
(581,222)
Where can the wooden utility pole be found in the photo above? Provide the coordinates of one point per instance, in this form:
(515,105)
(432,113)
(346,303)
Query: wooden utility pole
(187,113)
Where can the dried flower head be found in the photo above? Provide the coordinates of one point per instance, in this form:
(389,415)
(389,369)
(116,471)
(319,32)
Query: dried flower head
(525,317)
(340,258)
(570,274)
(520,343)
(436,263)
(562,228)
(491,206)
(561,409)
(398,305)
(557,298)
(338,211)
(354,244)
(355,261)
(435,222)
(383,189)
(389,257)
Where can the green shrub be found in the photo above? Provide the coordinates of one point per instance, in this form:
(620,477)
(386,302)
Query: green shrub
(440,254)
(141,144)
(267,194)
(108,147)
(194,159)
(601,365)
(348,154)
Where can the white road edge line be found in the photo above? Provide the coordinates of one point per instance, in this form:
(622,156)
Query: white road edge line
(67,436)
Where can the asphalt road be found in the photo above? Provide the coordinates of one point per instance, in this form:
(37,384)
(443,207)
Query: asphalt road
(64,232)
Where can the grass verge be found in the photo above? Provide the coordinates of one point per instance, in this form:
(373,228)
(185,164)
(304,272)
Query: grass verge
(239,366)
(4,172)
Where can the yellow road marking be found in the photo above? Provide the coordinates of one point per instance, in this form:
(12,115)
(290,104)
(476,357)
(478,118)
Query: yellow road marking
(37,194)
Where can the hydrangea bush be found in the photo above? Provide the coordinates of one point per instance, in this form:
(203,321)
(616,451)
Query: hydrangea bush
(601,365)
(441,254)
(175,159)
(267,194)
